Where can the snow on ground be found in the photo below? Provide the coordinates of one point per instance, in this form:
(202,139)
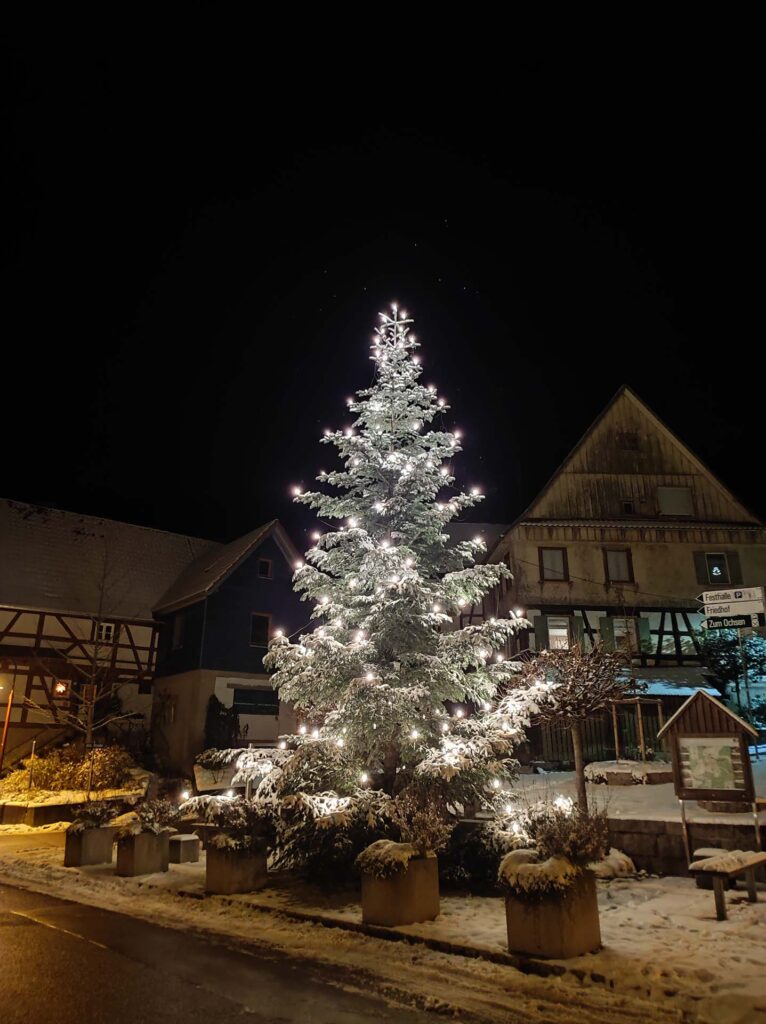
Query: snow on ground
(21,830)
(665,957)
(650,803)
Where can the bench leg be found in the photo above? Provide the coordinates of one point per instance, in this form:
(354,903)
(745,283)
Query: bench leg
(720,899)
(752,895)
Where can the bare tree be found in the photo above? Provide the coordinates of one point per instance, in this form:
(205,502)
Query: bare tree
(583,684)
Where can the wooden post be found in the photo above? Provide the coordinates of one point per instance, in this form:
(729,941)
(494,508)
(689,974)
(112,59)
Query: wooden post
(616,728)
(640,720)
(685,831)
(7,722)
(752,893)
(720,899)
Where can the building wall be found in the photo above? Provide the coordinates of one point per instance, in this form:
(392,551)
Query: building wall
(180,707)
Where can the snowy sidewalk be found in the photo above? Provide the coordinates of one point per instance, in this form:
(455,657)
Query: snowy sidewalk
(662,943)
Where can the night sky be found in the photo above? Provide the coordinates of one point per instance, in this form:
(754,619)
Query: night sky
(198,245)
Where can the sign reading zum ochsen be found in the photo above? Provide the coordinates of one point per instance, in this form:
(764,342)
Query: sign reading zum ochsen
(734,622)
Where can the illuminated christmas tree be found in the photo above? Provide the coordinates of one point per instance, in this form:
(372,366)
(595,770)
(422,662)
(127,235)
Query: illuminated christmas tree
(372,682)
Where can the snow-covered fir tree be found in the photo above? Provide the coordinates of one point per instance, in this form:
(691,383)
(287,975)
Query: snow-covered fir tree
(370,681)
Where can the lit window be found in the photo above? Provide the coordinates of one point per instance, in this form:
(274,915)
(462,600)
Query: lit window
(553,564)
(717,568)
(619,566)
(105,632)
(625,635)
(558,633)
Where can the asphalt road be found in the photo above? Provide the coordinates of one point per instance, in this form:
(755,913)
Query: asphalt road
(66,963)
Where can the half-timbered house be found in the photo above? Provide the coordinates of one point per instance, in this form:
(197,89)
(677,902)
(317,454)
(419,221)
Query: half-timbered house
(83,597)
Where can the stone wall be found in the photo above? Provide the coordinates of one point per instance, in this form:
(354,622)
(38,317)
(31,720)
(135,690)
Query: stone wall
(658,846)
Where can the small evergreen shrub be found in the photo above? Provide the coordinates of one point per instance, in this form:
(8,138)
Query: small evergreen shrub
(68,768)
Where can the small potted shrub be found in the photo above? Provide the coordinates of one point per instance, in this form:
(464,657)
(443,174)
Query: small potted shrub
(143,843)
(550,893)
(89,839)
(237,852)
(400,880)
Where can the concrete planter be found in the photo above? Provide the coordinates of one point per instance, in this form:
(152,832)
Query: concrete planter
(143,854)
(558,926)
(184,849)
(410,896)
(91,846)
(228,871)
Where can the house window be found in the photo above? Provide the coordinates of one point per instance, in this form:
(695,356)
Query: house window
(625,635)
(105,632)
(618,565)
(717,568)
(264,568)
(260,628)
(628,508)
(178,631)
(558,633)
(251,701)
(553,563)
(675,501)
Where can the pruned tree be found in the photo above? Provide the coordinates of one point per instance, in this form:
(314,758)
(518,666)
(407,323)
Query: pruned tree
(579,684)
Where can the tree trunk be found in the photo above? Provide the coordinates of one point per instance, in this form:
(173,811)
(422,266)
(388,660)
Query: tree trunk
(582,796)
(390,764)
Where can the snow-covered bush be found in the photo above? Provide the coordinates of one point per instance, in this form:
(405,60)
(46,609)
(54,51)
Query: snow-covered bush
(68,768)
(91,815)
(242,824)
(472,854)
(153,816)
(422,823)
(385,858)
(523,874)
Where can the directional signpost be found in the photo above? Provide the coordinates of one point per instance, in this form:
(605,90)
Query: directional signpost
(735,608)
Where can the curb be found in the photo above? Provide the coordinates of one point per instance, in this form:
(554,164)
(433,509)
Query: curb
(524,964)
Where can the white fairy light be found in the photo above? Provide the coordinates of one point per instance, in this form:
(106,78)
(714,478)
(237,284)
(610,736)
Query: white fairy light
(298,565)
(279,632)
(478,540)
(437,608)
(385,543)
(297,491)
(408,562)
(339,742)
(360,634)
(324,599)
(509,808)
(349,432)
(364,778)
(486,705)
(282,745)
(457,434)
(316,535)
(229,794)
(414,734)
(475,491)
(416,360)
(518,612)
(445,727)
(458,712)
(378,506)
(352,523)
(302,730)
(461,602)
(496,783)
(185,794)
(482,653)
(315,734)
(444,471)
(370,676)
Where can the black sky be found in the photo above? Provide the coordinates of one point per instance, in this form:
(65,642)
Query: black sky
(198,244)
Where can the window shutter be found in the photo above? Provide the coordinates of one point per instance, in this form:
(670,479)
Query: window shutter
(540,623)
(644,635)
(700,567)
(606,629)
(735,569)
(578,629)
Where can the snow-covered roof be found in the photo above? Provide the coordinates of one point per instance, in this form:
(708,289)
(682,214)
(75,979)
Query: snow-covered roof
(53,560)
(207,572)
(701,695)
(674,682)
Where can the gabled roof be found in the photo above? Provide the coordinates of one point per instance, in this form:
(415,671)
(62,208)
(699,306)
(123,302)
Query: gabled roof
(702,695)
(538,509)
(205,575)
(52,560)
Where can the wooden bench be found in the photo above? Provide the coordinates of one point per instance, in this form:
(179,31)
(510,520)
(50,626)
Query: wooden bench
(724,867)
(184,849)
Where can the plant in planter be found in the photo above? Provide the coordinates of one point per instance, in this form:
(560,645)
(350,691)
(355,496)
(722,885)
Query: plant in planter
(143,842)
(89,839)
(550,893)
(400,880)
(237,853)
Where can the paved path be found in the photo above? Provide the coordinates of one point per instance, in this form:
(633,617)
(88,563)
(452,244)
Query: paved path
(72,964)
